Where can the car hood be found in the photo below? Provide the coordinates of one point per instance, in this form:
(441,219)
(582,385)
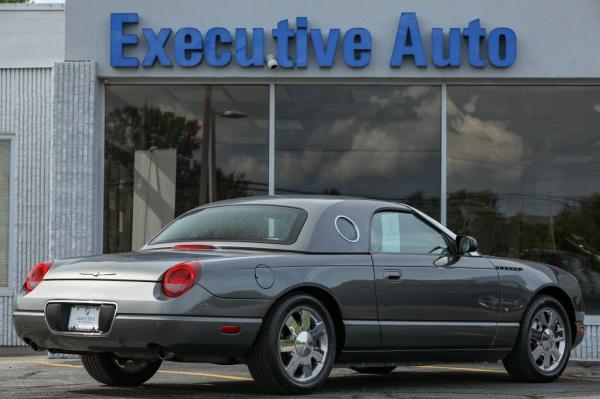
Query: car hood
(133,266)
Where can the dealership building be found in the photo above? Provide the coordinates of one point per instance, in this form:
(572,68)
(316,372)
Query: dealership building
(118,115)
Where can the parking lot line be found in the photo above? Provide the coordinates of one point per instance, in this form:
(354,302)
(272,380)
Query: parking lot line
(221,376)
(241,378)
(568,377)
(459,369)
(483,370)
(3,361)
(190,373)
(51,364)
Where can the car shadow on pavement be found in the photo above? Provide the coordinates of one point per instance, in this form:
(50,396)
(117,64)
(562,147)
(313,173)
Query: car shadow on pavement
(425,382)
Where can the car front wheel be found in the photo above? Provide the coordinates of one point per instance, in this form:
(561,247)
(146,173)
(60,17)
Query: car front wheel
(295,350)
(108,369)
(544,343)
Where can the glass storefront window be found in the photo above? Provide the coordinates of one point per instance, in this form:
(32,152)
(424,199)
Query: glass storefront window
(366,141)
(171,148)
(524,175)
(523,161)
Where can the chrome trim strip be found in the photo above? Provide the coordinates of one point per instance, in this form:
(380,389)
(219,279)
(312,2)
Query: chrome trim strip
(443,153)
(271,139)
(438,324)
(423,350)
(430,323)
(509,324)
(28,313)
(361,322)
(202,319)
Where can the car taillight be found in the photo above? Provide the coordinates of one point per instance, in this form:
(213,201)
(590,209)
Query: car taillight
(180,278)
(36,275)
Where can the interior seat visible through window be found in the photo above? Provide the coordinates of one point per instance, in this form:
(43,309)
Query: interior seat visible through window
(403,232)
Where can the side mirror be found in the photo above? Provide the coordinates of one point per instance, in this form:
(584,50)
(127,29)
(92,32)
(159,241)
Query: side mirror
(466,244)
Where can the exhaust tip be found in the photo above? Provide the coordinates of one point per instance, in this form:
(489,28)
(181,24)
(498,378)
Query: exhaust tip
(162,353)
(32,345)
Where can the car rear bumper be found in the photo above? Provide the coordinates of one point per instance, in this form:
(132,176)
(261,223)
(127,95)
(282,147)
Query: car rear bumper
(185,338)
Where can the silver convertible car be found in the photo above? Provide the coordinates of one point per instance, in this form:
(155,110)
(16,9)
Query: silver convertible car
(292,286)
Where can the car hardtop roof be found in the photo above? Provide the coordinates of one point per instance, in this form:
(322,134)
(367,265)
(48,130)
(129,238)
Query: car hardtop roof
(306,201)
(318,234)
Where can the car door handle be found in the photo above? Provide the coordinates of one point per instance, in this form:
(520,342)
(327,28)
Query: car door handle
(392,274)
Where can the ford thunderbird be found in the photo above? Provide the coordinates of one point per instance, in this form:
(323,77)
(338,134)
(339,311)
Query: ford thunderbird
(293,286)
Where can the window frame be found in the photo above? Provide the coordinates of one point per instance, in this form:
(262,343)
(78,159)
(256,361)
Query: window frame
(10,288)
(449,241)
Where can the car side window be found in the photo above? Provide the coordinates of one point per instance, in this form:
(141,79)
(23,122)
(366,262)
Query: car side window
(403,232)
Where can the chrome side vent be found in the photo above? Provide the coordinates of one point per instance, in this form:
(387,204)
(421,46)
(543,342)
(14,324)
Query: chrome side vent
(510,268)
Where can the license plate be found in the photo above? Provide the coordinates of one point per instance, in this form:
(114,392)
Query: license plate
(84,318)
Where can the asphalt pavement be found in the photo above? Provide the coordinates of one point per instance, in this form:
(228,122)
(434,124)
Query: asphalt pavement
(40,377)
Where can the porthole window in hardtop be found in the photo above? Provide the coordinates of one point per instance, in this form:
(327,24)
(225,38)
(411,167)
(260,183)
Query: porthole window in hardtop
(347,228)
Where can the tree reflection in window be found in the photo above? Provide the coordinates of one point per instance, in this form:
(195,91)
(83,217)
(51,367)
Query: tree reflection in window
(524,175)
(205,134)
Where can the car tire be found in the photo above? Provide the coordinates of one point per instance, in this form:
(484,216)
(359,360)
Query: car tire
(540,343)
(374,370)
(110,370)
(292,355)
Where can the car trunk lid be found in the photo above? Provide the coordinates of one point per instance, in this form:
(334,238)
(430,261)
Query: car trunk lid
(132,266)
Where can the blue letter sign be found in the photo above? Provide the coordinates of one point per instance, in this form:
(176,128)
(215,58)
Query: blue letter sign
(437,47)
(156,47)
(357,48)
(118,40)
(298,46)
(188,47)
(494,49)
(408,42)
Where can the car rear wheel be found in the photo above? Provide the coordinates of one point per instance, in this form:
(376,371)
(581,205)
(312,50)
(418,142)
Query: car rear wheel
(544,343)
(295,350)
(374,370)
(108,369)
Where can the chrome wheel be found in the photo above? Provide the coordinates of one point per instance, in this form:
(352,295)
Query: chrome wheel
(547,339)
(303,344)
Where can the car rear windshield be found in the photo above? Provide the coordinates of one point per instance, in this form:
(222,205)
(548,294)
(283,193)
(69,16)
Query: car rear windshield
(247,223)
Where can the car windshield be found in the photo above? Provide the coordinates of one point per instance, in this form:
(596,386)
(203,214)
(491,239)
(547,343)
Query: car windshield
(247,223)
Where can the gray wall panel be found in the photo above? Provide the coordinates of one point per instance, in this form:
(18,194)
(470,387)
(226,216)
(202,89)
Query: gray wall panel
(74,229)
(554,36)
(26,113)
(590,347)
(33,35)
(7,336)
(57,168)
